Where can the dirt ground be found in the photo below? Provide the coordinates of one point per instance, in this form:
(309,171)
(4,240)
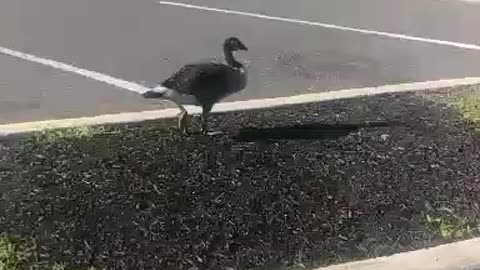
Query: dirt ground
(144,197)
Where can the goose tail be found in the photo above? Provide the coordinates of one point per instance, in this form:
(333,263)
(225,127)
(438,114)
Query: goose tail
(156,92)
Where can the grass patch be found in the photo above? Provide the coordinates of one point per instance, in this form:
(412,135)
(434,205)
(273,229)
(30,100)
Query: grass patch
(15,253)
(19,254)
(53,135)
(464,100)
(11,255)
(450,225)
(469,106)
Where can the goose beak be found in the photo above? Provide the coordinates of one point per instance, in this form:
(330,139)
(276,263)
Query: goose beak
(241,47)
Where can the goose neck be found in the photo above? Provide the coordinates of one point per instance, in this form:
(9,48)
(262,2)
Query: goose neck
(230,59)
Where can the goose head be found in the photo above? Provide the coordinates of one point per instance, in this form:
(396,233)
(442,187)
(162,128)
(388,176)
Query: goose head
(234,44)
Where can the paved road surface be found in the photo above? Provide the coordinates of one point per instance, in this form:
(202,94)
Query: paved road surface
(144,41)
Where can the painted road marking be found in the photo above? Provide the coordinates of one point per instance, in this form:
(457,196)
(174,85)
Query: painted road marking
(76,70)
(328,26)
(130,117)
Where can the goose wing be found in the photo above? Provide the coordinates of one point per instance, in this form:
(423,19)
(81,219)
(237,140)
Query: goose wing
(203,79)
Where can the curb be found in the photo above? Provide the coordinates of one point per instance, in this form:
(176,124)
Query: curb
(131,117)
(460,255)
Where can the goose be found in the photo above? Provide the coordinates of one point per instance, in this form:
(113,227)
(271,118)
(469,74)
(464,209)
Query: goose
(203,84)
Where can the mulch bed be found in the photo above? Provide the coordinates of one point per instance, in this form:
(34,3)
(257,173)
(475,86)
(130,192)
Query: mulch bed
(144,197)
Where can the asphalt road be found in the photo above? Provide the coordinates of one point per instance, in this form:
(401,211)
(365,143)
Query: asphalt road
(143,41)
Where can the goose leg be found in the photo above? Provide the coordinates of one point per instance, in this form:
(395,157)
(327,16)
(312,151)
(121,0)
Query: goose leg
(205,113)
(182,119)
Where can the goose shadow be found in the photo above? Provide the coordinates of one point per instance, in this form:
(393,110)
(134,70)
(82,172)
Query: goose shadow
(309,131)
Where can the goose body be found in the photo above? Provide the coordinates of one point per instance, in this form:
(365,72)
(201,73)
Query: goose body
(203,84)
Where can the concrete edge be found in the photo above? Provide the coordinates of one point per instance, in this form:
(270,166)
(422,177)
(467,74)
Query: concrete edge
(458,255)
(131,117)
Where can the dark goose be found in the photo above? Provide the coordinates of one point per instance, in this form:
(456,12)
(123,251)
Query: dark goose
(203,84)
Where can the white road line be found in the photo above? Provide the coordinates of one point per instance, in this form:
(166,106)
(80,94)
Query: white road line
(131,117)
(329,26)
(80,71)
